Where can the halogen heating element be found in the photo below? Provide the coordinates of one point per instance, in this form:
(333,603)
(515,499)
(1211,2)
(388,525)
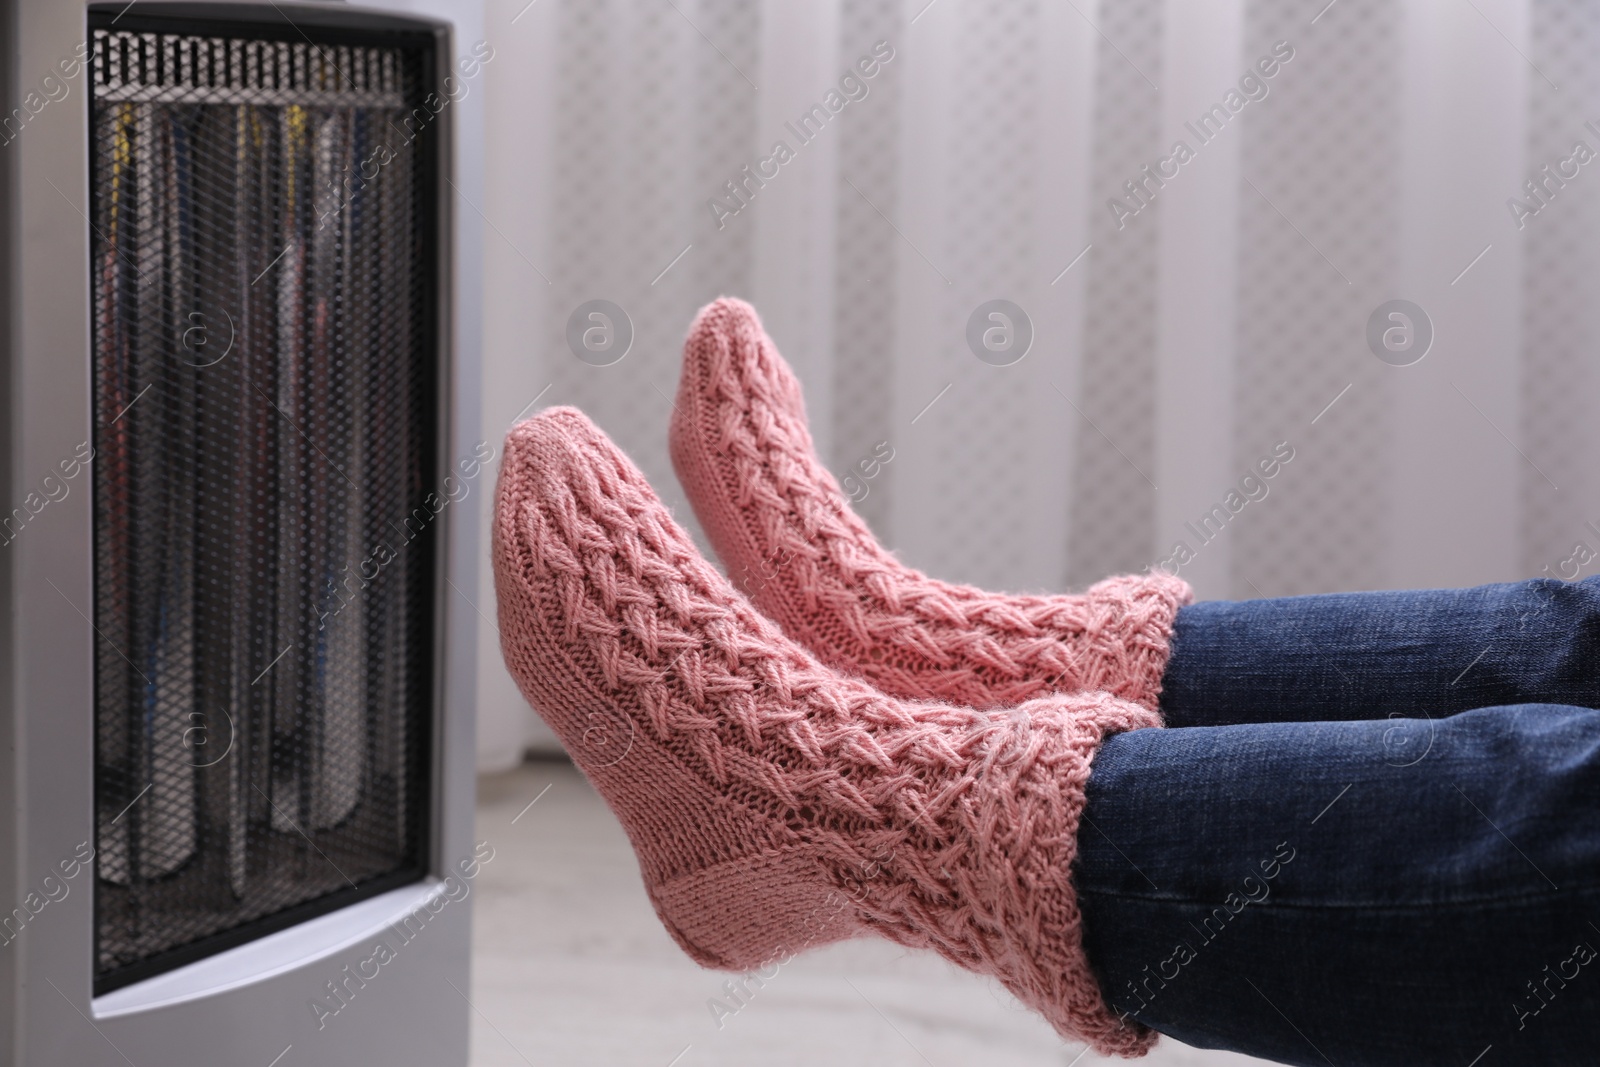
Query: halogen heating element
(265,377)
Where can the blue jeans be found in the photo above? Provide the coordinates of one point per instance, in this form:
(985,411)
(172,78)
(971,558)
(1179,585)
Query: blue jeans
(1371,836)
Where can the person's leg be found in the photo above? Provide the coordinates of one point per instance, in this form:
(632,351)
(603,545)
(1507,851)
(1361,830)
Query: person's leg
(1419,654)
(1286,891)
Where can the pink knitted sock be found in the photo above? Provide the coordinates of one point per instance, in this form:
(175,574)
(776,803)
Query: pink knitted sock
(775,804)
(790,541)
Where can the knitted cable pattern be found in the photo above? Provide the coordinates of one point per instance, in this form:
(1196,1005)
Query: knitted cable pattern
(790,541)
(775,803)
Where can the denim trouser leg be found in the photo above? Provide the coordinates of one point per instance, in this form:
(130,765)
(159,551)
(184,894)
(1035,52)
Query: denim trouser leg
(1374,655)
(1411,891)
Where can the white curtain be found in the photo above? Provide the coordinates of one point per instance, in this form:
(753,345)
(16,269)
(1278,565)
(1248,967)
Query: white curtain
(1215,321)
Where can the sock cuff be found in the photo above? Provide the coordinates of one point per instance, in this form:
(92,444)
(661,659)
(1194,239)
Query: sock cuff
(1027,795)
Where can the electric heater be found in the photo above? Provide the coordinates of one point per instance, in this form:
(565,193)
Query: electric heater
(237,648)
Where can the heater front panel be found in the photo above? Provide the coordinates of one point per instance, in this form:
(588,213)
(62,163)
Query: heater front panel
(266,382)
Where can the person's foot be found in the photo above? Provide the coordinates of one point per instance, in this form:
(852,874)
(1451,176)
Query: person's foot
(789,540)
(774,803)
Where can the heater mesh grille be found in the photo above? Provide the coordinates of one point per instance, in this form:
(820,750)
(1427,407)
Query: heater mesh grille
(265,383)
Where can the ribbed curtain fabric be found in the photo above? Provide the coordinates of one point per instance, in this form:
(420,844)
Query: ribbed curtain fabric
(1196,316)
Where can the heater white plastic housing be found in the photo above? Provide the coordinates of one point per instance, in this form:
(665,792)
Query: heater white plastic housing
(236,736)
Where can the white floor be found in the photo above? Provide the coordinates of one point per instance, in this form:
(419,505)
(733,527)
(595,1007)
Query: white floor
(571,967)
